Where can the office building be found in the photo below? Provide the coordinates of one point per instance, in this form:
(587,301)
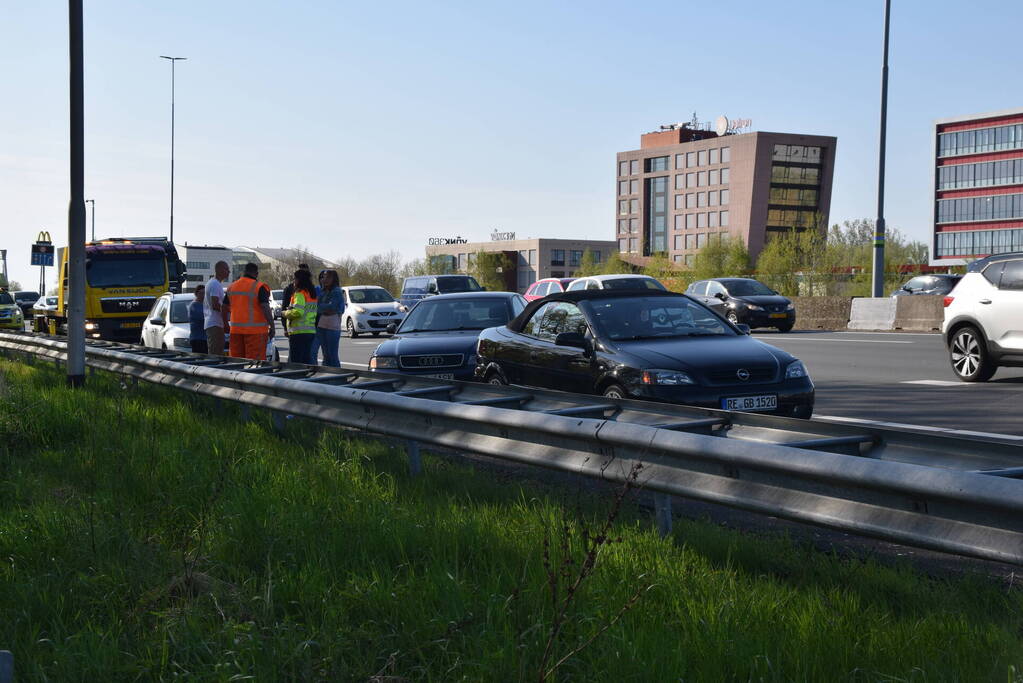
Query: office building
(978,186)
(687,186)
(530,259)
(199,261)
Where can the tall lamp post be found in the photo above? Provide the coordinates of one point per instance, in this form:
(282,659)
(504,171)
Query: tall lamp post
(93,202)
(173,61)
(76,206)
(879,227)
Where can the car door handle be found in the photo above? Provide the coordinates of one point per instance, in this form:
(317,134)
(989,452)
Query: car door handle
(985,301)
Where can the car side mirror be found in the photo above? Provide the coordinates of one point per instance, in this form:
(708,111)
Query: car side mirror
(157,321)
(392,328)
(743,328)
(431,288)
(576,340)
(483,289)
(720,295)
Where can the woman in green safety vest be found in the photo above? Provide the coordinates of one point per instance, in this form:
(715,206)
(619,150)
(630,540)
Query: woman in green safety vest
(301,316)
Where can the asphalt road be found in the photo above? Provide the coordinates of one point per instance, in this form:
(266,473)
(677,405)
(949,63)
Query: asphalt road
(881,377)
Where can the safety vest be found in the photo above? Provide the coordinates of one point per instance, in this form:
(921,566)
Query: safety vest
(307,323)
(246,315)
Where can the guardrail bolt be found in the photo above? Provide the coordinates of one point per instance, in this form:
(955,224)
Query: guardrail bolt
(415,463)
(6,666)
(662,513)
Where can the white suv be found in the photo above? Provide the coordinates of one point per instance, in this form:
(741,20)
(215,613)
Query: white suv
(618,281)
(983,327)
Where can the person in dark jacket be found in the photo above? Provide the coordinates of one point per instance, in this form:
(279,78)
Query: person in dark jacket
(196,319)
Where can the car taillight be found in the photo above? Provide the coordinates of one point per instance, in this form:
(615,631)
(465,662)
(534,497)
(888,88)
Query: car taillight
(947,301)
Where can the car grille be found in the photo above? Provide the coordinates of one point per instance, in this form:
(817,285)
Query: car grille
(384,313)
(449,360)
(730,376)
(127,304)
(780,308)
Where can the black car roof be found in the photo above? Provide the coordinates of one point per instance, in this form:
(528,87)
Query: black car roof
(471,295)
(516,324)
(980,264)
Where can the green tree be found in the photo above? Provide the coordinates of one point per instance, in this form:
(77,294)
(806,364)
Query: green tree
(736,261)
(588,265)
(13,285)
(710,261)
(489,269)
(615,264)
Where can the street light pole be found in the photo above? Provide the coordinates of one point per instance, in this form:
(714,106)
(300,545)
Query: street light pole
(879,227)
(172,60)
(76,207)
(93,202)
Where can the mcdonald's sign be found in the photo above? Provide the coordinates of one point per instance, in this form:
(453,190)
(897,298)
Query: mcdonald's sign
(42,250)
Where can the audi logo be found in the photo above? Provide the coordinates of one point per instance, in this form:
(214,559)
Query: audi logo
(743,374)
(431,360)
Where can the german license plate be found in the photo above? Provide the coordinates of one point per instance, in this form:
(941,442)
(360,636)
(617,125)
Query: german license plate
(441,375)
(129,325)
(750,403)
(777,315)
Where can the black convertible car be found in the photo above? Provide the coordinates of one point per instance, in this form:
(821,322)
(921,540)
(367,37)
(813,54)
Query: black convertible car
(647,345)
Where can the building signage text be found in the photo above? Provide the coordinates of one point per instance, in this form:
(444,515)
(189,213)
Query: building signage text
(501,236)
(435,241)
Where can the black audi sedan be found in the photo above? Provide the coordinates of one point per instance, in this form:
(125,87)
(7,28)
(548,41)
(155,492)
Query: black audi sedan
(649,345)
(438,336)
(747,301)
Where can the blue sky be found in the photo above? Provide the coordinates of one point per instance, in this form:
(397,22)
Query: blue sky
(356,128)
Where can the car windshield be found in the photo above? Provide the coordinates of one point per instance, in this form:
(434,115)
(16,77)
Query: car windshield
(653,317)
(26,296)
(432,315)
(457,283)
(179,311)
(369,296)
(633,283)
(51,301)
(747,288)
(6,299)
(277,294)
(147,271)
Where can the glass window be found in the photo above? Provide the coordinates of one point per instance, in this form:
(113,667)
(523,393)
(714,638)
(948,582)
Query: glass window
(623,206)
(690,221)
(557,257)
(680,161)
(633,244)
(533,325)
(725,175)
(680,201)
(1012,275)
(532,257)
(657,216)
(714,177)
(690,180)
(701,178)
(633,225)
(715,156)
(654,164)
(623,187)
(701,240)
(691,200)
(701,220)
(633,206)
(680,221)
(726,155)
(679,241)
(633,187)
(724,219)
(690,159)
(623,225)
(690,241)
(701,199)
(634,167)
(712,219)
(623,244)
(712,197)
(724,197)
(623,168)
(702,158)
(575,257)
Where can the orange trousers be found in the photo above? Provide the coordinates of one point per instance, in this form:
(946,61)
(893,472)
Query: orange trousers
(249,346)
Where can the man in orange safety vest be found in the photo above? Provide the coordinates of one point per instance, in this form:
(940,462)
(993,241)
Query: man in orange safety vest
(248,310)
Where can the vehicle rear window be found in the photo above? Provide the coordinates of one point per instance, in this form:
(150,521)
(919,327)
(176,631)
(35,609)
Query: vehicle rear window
(415,285)
(633,283)
(6,298)
(457,283)
(26,296)
(1012,275)
(993,273)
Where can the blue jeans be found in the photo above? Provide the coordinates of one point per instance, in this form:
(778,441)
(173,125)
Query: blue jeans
(314,350)
(330,341)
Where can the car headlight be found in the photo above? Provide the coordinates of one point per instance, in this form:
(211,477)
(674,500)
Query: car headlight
(91,326)
(754,307)
(666,377)
(403,308)
(358,309)
(182,343)
(796,369)
(383,362)
(790,307)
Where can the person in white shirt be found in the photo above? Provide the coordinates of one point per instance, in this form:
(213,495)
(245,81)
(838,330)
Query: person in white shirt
(212,308)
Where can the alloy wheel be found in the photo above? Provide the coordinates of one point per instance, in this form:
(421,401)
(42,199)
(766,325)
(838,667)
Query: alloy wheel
(351,329)
(966,355)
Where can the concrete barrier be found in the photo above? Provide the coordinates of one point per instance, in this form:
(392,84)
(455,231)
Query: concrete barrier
(873,314)
(822,312)
(919,313)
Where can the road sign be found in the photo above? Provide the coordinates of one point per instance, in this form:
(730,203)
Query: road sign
(42,254)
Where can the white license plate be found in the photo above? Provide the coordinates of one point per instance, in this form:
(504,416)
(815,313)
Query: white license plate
(769,402)
(441,375)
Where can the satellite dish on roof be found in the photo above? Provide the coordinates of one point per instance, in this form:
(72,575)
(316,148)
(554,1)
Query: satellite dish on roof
(721,125)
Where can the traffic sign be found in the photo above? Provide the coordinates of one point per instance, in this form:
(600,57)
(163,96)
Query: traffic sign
(42,254)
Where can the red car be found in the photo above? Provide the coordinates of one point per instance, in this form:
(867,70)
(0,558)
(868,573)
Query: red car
(549,285)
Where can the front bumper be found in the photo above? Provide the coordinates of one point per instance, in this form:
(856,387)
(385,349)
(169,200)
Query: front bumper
(115,329)
(764,319)
(367,322)
(12,323)
(795,396)
(464,373)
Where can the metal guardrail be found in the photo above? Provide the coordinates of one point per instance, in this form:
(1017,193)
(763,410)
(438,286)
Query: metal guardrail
(875,485)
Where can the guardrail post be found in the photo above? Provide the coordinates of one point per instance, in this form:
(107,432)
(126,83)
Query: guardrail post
(662,513)
(6,666)
(246,412)
(280,421)
(415,463)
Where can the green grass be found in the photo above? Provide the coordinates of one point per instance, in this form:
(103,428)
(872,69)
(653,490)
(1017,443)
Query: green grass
(145,534)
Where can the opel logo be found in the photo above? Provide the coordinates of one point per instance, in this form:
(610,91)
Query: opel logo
(431,360)
(743,374)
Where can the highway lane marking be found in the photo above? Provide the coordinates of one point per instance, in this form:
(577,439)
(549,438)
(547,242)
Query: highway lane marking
(925,428)
(842,341)
(940,383)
